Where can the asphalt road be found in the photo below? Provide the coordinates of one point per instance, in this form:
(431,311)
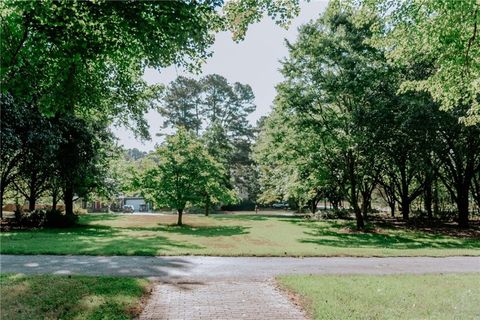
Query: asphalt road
(193,268)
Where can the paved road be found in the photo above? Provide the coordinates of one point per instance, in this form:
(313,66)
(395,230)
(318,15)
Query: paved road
(186,268)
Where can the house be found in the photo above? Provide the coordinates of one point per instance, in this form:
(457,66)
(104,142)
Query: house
(139,204)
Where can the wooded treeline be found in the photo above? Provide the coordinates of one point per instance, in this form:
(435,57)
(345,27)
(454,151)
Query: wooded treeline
(344,125)
(71,69)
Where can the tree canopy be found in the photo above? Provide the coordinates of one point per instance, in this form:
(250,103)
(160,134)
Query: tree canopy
(183,174)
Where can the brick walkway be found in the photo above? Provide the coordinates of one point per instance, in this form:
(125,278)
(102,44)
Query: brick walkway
(219,300)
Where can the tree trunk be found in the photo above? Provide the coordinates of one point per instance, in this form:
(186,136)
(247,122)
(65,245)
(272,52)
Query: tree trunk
(54,201)
(353,194)
(405,204)
(428,200)
(436,205)
(366,204)
(462,205)
(2,191)
(392,209)
(180,213)
(207,206)
(68,200)
(31,203)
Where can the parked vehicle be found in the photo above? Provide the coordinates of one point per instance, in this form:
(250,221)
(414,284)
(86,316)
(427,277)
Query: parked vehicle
(280,205)
(128,208)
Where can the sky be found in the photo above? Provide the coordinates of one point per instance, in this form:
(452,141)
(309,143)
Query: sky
(254,61)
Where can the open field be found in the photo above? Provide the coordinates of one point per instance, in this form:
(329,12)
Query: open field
(444,296)
(232,235)
(70,297)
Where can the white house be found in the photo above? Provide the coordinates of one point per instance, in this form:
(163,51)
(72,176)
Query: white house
(138,203)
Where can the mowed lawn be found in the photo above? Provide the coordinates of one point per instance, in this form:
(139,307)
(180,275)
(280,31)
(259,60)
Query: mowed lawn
(70,297)
(230,235)
(438,296)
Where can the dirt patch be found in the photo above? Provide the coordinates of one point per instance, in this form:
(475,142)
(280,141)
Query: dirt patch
(450,229)
(300,302)
(136,310)
(261,242)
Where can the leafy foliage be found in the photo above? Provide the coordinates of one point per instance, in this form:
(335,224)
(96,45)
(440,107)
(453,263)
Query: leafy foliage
(443,31)
(184,174)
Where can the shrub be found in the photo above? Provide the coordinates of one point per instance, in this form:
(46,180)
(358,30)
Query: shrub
(244,205)
(57,219)
(44,218)
(33,219)
(335,214)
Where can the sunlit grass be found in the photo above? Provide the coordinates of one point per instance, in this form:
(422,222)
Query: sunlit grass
(70,297)
(388,297)
(231,235)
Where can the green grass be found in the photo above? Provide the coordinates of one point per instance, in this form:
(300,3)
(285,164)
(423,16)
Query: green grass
(452,296)
(70,297)
(231,235)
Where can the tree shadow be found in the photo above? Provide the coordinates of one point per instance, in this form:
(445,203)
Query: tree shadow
(91,240)
(199,231)
(70,297)
(337,234)
(243,217)
(87,218)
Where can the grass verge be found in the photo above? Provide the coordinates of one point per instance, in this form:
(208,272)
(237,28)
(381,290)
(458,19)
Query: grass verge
(232,235)
(438,296)
(70,297)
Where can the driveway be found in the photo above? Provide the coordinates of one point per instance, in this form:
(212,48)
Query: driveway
(192,268)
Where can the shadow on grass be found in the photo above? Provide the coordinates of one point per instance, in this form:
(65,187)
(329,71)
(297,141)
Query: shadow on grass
(87,218)
(199,231)
(255,217)
(70,297)
(338,234)
(91,240)
(246,217)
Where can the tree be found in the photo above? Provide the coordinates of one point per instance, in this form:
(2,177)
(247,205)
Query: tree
(83,158)
(184,174)
(445,31)
(12,122)
(292,165)
(182,105)
(332,76)
(458,150)
(217,111)
(91,55)
(39,147)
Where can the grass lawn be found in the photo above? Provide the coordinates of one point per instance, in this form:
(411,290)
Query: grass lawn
(70,297)
(231,235)
(439,296)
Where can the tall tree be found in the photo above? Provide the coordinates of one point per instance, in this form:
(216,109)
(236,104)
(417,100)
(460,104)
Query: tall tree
(182,105)
(184,174)
(458,150)
(83,157)
(332,75)
(446,31)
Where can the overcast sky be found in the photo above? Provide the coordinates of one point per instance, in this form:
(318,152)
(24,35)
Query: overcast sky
(254,61)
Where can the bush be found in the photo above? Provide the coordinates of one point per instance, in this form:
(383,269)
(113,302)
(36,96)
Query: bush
(244,205)
(335,214)
(57,219)
(33,219)
(44,218)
